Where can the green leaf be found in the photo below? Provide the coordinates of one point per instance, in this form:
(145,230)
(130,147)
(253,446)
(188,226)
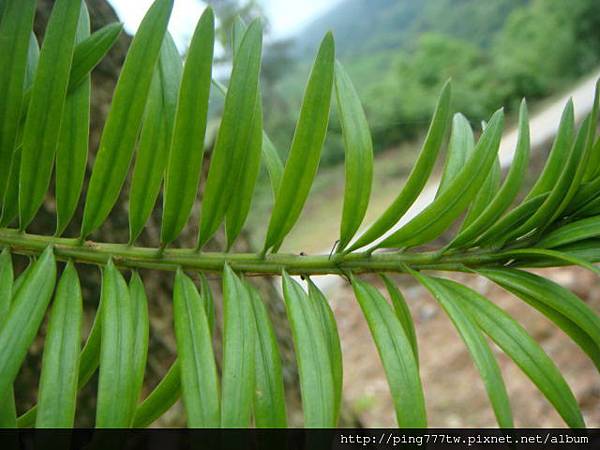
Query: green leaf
(124,119)
(487,192)
(29,304)
(237,146)
(116,380)
(305,151)
(199,382)
(332,338)
(141,330)
(57,393)
(559,153)
(538,253)
(90,51)
(8,412)
(476,343)
(155,138)
(312,354)
(71,154)
(15,30)
(549,293)
(440,214)
(239,342)
(572,232)
(461,145)
(402,313)
(272,160)
(44,115)
(590,169)
(187,144)
(523,350)
(10,208)
(162,397)
(566,321)
(269,393)
(507,193)
(496,234)
(359,155)
(396,354)
(418,176)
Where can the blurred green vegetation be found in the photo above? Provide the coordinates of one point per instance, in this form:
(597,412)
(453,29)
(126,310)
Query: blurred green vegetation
(398,54)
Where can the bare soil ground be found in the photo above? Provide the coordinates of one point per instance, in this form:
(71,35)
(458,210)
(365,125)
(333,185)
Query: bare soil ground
(454,392)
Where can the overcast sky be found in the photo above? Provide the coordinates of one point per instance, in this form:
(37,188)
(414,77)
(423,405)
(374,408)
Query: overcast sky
(285,16)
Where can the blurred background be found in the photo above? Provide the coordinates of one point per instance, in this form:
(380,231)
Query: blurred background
(398,54)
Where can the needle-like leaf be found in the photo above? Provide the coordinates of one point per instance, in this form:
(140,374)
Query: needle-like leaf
(155,138)
(269,394)
(162,397)
(141,329)
(199,382)
(332,338)
(359,155)
(572,232)
(116,379)
(8,413)
(15,28)
(28,307)
(71,154)
(440,214)
(396,355)
(44,115)
(522,349)
(305,152)
(478,347)
(418,175)
(60,364)
(124,119)
(239,345)
(312,353)
(402,312)
(187,144)
(461,145)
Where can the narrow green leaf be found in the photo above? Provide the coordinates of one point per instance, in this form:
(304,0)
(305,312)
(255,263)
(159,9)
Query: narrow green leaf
(305,152)
(90,51)
(461,145)
(537,253)
(418,176)
(522,349)
(162,397)
(590,169)
(199,382)
(57,393)
(239,345)
(237,146)
(208,302)
(402,312)
(572,232)
(10,208)
(269,393)
(496,234)
(396,354)
(509,190)
(71,154)
(559,153)
(440,214)
(88,363)
(116,380)
(124,119)
(15,30)
(332,338)
(487,192)
(29,304)
(358,148)
(478,347)
(312,354)
(272,160)
(550,293)
(187,144)
(155,138)
(44,115)
(141,330)
(8,412)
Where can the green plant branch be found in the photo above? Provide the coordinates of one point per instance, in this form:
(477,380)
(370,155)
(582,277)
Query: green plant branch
(128,256)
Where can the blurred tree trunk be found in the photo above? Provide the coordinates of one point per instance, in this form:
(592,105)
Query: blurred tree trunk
(158,284)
